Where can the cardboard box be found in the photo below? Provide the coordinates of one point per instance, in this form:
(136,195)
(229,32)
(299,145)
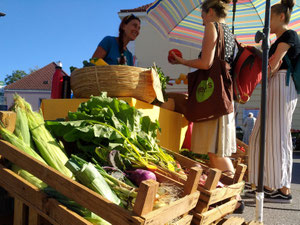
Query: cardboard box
(173,125)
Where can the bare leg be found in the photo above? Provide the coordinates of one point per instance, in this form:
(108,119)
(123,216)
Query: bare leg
(222,163)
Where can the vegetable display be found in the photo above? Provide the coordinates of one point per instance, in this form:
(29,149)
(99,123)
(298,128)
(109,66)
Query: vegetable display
(104,124)
(115,146)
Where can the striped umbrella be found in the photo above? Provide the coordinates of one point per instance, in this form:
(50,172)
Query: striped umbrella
(180,20)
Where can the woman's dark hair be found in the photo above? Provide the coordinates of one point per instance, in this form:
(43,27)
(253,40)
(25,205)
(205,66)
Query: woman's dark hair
(125,20)
(220,7)
(285,7)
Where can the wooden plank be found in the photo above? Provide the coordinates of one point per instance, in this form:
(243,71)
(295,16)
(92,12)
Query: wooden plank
(186,220)
(232,220)
(212,179)
(33,217)
(192,182)
(49,208)
(163,177)
(68,187)
(220,194)
(145,197)
(212,215)
(239,173)
(19,211)
(166,214)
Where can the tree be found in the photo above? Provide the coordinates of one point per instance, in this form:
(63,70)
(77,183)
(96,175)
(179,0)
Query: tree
(16,75)
(33,70)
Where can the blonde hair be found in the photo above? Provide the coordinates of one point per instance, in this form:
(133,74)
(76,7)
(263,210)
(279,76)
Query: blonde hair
(220,7)
(285,7)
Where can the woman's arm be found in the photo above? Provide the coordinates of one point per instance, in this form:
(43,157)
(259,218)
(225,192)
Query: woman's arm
(276,59)
(99,53)
(208,50)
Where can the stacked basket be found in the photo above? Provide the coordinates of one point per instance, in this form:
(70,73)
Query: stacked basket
(116,80)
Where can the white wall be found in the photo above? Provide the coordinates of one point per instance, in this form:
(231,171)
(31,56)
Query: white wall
(32,97)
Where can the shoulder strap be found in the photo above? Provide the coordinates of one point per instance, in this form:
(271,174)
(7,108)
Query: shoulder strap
(220,46)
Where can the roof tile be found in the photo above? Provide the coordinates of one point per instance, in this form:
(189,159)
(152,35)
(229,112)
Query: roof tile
(38,80)
(139,9)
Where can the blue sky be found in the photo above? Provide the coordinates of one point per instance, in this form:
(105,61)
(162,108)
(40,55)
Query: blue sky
(37,32)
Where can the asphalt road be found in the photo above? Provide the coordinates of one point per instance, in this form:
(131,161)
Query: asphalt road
(275,213)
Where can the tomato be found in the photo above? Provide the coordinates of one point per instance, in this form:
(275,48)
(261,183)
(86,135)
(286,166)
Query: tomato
(176,51)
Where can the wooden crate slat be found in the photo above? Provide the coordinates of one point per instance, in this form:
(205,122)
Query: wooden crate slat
(19,211)
(221,194)
(166,214)
(33,217)
(186,220)
(212,215)
(70,188)
(145,197)
(233,220)
(49,208)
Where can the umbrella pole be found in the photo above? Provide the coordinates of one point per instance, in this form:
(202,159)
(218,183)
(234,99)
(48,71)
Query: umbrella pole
(233,14)
(265,46)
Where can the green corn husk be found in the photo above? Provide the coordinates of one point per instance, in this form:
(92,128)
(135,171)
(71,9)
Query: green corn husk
(47,145)
(29,177)
(22,129)
(21,145)
(89,176)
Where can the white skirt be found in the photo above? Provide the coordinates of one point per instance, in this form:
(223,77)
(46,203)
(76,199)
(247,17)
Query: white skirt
(216,136)
(281,103)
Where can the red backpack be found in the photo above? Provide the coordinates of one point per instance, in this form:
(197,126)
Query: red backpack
(246,72)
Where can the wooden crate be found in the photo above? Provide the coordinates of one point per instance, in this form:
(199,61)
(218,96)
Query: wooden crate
(40,206)
(224,198)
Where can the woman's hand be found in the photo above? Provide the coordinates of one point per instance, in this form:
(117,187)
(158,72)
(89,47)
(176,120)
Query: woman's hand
(176,59)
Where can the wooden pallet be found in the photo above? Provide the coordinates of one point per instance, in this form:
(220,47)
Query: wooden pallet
(223,199)
(40,206)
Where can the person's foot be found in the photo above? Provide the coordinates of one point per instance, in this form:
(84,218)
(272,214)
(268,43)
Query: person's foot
(278,197)
(240,207)
(252,194)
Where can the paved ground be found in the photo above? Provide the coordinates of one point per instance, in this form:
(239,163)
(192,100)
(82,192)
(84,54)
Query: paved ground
(279,214)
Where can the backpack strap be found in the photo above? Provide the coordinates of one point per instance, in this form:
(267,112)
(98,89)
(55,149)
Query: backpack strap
(290,69)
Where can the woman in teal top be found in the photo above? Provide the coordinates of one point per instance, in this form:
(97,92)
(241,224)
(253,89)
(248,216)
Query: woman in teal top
(113,50)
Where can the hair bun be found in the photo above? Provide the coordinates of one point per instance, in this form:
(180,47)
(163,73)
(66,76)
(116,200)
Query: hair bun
(288,3)
(226,1)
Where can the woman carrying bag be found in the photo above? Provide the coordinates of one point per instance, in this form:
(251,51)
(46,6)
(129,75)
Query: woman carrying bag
(214,136)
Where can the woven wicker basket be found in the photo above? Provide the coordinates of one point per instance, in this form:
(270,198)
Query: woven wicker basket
(116,80)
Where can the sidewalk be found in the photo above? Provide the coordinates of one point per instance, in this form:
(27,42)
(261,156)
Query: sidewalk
(279,214)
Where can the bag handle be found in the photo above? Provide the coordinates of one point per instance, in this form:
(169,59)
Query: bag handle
(220,45)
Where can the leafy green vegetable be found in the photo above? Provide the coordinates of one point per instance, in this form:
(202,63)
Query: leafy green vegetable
(111,124)
(89,176)
(195,156)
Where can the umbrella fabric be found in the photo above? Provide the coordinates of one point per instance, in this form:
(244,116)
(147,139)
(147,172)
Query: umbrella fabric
(180,20)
